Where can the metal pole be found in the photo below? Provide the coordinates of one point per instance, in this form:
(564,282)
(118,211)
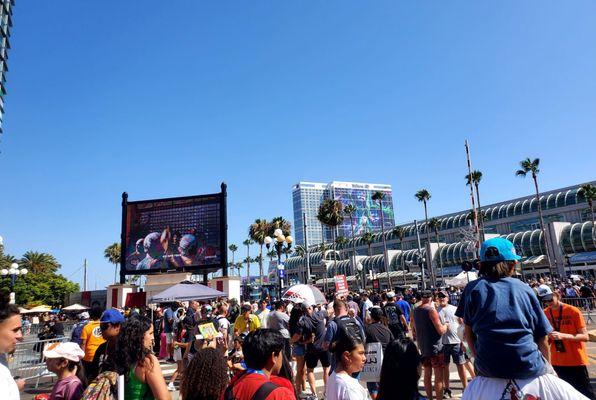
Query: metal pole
(306,249)
(420,254)
(12,298)
(85,276)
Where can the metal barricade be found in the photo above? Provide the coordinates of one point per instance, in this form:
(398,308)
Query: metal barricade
(28,361)
(586,304)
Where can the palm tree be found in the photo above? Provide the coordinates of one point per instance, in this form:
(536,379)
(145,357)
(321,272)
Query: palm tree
(379,196)
(112,254)
(257,232)
(423,196)
(233,248)
(368,238)
(398,232)
(588,193)
(39,263)
(279,223)
(435,224)
(531,167)
(239,267)
(349,210)
(331,214)
(271,254)
(248,260)
(474,178)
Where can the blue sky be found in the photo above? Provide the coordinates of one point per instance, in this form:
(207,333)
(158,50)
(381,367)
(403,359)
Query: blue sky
(170,98)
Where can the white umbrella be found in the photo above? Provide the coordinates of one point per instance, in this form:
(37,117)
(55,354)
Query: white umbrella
(461,279)
(301,292)
(75,307)
(40,309)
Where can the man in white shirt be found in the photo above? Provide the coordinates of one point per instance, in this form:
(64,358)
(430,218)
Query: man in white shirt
(263,313)
(452,345)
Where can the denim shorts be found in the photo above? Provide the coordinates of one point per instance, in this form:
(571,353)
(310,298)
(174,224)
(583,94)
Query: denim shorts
(298,350)
(455,352)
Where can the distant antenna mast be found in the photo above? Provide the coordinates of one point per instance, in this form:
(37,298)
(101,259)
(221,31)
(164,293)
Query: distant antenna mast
(85,275)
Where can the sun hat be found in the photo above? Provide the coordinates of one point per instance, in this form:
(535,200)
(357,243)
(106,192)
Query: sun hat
(390,295)
(498,249)
(545,292)
(69,350)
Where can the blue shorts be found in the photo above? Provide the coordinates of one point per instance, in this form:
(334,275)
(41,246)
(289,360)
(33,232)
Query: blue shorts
(298,350)
(454,351)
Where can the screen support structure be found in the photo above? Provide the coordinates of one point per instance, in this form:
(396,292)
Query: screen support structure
(122,239)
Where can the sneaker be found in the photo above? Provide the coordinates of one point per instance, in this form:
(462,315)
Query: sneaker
(171,387)
(446,392)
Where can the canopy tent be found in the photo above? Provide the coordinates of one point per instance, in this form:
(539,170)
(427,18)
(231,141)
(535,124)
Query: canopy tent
(186,291)
(40,309)
(75,307)
(299,293)
(461,279)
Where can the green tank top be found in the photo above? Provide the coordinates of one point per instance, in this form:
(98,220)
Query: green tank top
(134,389)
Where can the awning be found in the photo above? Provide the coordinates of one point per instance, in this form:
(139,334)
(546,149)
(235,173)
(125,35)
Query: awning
(186,291)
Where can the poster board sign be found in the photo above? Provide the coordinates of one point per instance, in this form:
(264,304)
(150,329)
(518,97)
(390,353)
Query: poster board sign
(208,331)
(374,360)
(375,283)
(341,285)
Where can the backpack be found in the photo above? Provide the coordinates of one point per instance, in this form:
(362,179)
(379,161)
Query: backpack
(348,326)
(102,388)
(76,333)
(261,394)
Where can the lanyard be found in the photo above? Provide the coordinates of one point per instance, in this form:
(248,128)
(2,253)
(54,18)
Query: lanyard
(557,325)
(255,371)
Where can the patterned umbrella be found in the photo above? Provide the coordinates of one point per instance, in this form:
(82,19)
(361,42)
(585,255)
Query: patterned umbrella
(300,293)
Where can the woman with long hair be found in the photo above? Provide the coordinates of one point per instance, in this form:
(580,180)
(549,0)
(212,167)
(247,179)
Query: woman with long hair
(350,356)
(10,335)
(402,360)
(206,377)
(298,349)
(135,360)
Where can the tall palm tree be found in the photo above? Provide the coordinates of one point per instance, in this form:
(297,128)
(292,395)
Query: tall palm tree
(350,210)
(434,224)
(271,254)
(258,232)
(39,263)
(279,223)
(368,238)
(378,197)
(423,196)
(399,233)
(474,178)
(531,167)
(239,267)
(112,254)
(248,260)
(588,192)
(331,214)
(233,248)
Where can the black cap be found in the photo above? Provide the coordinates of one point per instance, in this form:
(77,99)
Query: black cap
(426,294)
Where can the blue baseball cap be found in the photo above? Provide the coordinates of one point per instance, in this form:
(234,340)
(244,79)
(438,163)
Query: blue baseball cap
(111,316)
(498,249)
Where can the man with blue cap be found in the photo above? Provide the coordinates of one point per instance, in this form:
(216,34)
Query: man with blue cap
(507,331)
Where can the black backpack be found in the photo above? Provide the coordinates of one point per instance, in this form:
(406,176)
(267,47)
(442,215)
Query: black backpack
(394,323)
(348,326)
(261,394)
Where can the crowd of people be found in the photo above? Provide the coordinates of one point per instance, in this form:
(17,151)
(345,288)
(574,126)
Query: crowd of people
(503,343)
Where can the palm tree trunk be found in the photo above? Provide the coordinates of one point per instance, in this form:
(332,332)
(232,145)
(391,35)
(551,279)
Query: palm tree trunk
(333,235)
(354,269)
(542,227)
(385,257)
(115,272)
(480,219)
(428,259)
(261,266)
(439,258)
(403,265)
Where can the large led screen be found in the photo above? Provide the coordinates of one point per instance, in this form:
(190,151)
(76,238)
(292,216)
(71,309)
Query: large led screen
(173,234)
(367,217)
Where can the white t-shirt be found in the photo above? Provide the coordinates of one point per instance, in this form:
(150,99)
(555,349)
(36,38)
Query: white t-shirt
(263,314)
(547,387)
(8,387)
(344,387)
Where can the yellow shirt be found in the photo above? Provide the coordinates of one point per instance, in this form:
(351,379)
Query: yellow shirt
(243,326)
(91,335)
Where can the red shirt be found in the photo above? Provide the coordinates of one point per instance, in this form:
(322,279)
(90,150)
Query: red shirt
(247,385)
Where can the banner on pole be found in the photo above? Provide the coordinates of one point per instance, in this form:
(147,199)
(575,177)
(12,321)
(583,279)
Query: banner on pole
(341,285)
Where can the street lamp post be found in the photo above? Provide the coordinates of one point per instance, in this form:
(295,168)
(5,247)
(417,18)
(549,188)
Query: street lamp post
(13,271)
(281,242)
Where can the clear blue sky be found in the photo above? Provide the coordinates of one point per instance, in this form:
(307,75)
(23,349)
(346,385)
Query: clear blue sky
(161,98)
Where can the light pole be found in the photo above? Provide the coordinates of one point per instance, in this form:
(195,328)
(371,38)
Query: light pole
(13,272)
(281,242)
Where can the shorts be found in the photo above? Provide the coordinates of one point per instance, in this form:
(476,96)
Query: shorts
(437,361)
(312,359)
(169,337)
(298,350)
(455,352)
(178,354)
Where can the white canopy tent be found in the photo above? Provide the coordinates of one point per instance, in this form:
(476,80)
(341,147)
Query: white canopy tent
(462,279)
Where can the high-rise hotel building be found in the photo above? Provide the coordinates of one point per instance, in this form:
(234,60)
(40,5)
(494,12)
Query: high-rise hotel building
(308,196)
(5,27)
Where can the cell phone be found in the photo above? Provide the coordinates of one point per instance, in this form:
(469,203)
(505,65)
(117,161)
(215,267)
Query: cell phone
(16,377)
(559,346)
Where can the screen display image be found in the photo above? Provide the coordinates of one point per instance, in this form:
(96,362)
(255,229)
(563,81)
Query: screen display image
(167,234)
(367,217)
